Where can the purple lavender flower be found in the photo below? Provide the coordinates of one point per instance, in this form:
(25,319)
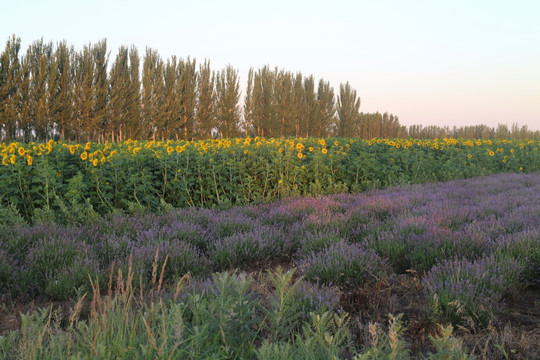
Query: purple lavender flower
(261,243)
(466,292)
(343,264)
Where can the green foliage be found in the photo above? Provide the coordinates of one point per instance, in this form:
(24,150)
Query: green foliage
(225,321)
(391,346)
(285,313)
(139,177)
(10,216)
(386,345)
(447,347)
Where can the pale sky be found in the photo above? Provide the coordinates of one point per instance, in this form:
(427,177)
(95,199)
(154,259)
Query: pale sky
(429,62)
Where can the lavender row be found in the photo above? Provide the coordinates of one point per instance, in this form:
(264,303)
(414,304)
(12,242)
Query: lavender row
(436,229)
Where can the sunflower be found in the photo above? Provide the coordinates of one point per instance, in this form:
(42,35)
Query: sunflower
(12,159)
(95,162)
(21,151)
(170,150)
(84,155)
(491,153)
(324,151)
(29,160)
(300,155)
(71,149)
(469,156)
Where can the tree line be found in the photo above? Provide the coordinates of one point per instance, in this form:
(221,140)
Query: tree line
(54,92)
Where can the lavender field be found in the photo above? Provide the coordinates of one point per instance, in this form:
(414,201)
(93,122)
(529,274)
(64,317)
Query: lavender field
(462,249)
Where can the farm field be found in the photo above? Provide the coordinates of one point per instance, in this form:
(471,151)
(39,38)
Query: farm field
(422,271)
(70,182)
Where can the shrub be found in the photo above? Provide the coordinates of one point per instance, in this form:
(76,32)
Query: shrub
(263,243)
(49,257)
(73,279)
(314,242)
(525,248)
(344,264)
(291,303)
(182,258)
(223,319)
(464,292)
(224,224)
(7,272)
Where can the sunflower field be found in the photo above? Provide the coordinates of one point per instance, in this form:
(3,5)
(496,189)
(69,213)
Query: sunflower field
(39,179)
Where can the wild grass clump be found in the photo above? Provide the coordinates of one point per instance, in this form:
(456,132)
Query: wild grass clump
(227,318)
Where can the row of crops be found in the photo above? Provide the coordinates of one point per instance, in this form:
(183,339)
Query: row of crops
(471,244)
(38,181)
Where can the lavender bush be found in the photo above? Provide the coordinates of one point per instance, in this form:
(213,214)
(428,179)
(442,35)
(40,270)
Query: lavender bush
(313,242)
(467,292)
(262,243)
(525,248)
(344,264)
(227,223)
(182,258)
(409,227)
(7,273)
(48,257)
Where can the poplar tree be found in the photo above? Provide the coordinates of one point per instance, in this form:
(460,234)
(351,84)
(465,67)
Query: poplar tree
(9,83)
(187,87)
(118,103)
(284,99)
(299,107)
(152,90)
(502,131)
(61,90)
(24,102)
(348,111)
(205,119)
(249,121)
(227,97)
(99,120)
(83,97)
(264,114)
(132,124)
(325,118)
(38,61)
(310,108)
(171,121)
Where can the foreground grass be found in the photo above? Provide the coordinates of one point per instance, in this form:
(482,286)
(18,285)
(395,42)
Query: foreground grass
(225,319)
